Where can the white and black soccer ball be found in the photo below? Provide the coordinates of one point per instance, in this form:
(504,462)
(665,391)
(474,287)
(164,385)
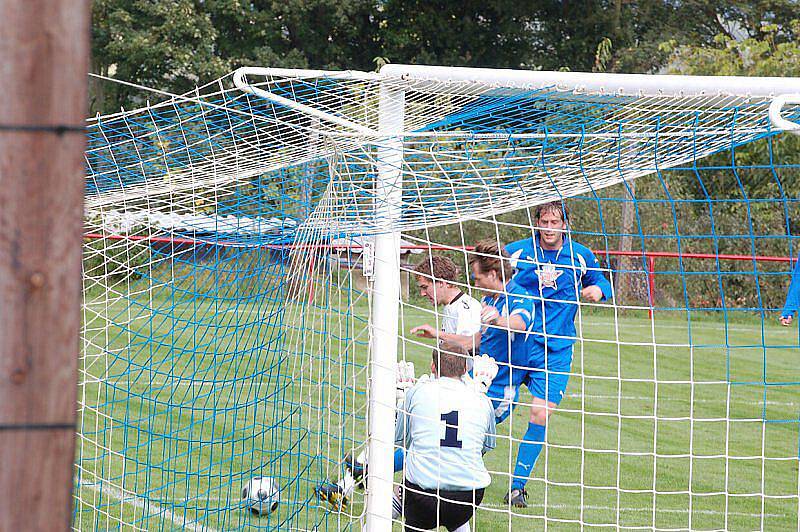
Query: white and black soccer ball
(261,495)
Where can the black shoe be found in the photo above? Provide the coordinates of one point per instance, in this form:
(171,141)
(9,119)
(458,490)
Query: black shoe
(517,497)
(357,469)
(332,494)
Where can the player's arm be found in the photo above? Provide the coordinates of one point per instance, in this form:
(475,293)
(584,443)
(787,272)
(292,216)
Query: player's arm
(468,342)
(428,331)
(490,440)
(792,298)
(402,428)
(595,286)
(519,315)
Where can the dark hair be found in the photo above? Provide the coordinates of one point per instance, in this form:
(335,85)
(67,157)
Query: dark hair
(450,360)
(438,268)
(489,256)
(556,207)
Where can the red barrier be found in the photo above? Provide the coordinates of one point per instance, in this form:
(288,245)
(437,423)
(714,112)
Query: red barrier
(650,256)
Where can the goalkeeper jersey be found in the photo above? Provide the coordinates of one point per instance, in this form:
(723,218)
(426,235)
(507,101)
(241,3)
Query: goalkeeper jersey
(462,315)
(555,279)
(445,427)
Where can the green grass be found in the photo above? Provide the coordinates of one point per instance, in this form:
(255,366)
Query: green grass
(650,434)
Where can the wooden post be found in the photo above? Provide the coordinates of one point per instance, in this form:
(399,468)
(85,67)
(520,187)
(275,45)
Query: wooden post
(44,46)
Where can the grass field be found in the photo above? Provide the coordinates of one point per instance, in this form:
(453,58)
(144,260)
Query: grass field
(666,424)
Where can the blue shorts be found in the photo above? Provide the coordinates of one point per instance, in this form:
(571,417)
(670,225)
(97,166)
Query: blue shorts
(549,384)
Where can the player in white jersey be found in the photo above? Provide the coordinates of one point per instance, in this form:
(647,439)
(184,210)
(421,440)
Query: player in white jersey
(437,278)
(445,426)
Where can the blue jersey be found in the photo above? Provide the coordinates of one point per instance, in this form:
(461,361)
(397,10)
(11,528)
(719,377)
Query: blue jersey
(555,279)
(793,296)
(498,342)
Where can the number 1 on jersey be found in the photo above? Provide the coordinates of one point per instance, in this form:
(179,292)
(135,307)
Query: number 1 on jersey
(450,430)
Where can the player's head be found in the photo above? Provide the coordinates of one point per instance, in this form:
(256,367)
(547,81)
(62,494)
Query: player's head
(490,265)
(435,277)
(449,360)
(551,222)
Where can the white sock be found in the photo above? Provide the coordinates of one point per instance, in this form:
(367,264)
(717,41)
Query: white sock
(347,483)
(362,457)
(463,528)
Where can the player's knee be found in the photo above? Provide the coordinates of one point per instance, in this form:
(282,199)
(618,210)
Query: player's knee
(539,416)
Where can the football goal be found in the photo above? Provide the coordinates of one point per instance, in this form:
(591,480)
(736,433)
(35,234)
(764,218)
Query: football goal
(250,284)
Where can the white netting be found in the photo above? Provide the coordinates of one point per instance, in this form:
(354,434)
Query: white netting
(226,317)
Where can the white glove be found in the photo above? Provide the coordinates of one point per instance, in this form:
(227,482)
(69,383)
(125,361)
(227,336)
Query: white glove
(484,370)
(405,379)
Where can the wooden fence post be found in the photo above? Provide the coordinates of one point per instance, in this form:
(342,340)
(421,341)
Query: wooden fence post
(44,45)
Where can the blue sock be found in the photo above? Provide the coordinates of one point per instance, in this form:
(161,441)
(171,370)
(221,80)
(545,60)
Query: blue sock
(399,458)
(529,449)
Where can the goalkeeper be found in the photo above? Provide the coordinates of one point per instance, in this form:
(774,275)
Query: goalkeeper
(792,297)
(558,272)
(445,425)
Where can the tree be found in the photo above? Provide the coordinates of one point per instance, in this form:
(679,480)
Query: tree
(473,33)
(176,45)
(166,45)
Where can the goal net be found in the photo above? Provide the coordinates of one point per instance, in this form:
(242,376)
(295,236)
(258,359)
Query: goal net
(250,283)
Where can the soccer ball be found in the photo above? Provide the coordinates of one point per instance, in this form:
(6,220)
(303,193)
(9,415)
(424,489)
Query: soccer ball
(261,495)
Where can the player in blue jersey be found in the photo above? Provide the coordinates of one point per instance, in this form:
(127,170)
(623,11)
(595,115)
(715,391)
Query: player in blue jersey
(507,315)
(792,297)
(558,272)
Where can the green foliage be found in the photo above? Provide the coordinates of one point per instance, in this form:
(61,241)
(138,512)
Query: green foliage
(158,44)
(179,44)
(772,50)
(175,45)
(603,55)
(469,33)
(768,54)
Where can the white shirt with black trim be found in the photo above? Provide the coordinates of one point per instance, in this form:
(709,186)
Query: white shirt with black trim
(462,315)
(445,427)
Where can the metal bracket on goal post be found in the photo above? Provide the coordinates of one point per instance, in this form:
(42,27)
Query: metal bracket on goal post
(775,109)
(384,323)
(368,257)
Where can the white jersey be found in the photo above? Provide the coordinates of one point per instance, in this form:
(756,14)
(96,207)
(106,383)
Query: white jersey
(445,427)
(462,315)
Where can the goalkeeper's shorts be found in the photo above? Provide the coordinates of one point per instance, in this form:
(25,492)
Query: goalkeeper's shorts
(426,509)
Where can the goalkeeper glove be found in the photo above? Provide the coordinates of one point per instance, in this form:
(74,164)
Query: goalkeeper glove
(484,370)
(405,379)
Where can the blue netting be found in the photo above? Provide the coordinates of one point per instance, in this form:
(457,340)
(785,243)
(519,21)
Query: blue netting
(227,340)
